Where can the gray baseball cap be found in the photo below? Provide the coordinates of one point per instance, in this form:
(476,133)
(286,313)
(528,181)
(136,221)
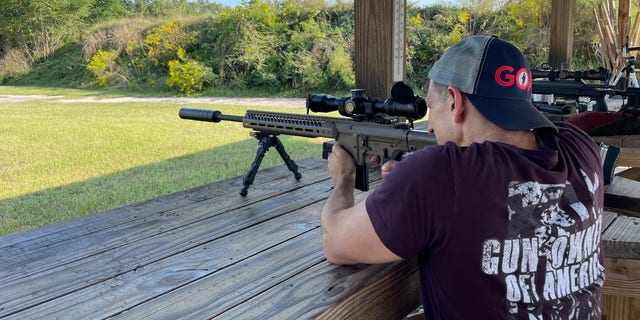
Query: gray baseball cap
(496,78)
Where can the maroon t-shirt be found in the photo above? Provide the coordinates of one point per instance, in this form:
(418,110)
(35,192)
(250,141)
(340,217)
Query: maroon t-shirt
(499,232)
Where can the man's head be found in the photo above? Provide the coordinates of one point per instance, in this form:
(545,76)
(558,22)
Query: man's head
(495,77)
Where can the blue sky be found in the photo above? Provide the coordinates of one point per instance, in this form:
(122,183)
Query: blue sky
(233,3)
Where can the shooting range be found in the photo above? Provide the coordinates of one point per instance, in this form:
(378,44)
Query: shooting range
(250,247)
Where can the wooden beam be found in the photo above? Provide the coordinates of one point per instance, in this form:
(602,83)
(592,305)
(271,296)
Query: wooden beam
(623,21)
(621,291)
(623,277)
(391,296)
(561,37)
(379,45)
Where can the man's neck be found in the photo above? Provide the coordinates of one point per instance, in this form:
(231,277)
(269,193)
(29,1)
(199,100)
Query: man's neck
(521,139)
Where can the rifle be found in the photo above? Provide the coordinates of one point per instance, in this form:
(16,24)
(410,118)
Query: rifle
(570,84)
(369,135)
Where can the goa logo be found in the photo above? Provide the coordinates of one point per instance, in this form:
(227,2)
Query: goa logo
(506,77)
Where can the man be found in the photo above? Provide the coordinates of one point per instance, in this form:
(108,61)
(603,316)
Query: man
(503,215)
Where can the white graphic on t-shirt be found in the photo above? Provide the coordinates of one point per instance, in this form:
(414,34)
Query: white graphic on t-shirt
(549,253)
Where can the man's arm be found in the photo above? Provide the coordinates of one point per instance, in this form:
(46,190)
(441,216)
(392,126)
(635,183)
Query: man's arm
(348,235)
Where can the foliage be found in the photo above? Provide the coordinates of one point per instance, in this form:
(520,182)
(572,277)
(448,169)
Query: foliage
(271,46)
(102,65)
(39,27)
(428,35)
(13,63)
(189,76)
(164,42)
(66,66)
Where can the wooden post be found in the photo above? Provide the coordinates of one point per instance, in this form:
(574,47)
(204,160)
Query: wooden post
(561,37)
(379,45)
(623,21)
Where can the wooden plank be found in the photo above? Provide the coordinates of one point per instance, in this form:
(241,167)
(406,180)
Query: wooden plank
(70,229)
(210,296)
(629,157)
(215,295)
(116,280)
(606,44)
(624,212)
(633,32)
(154,280)
(373,46)
(20,259)
(622,141)
(622,237)
(345,284)
(52,283)
(621,290)
(630,173)
(622,193)
(561,34)
(392,296)
(607,218)
(623,21)
(622,277)
(620,308)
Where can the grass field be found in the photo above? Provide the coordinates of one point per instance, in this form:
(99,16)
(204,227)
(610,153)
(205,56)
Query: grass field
(63,160)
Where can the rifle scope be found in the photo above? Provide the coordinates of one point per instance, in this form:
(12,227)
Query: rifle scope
(360,105)
(600,74)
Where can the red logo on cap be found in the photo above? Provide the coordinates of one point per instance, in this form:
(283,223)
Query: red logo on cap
(506,77)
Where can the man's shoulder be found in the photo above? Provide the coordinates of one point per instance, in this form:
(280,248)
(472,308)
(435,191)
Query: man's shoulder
(568,132)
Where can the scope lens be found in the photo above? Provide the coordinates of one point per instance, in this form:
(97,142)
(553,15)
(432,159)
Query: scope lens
(350,106)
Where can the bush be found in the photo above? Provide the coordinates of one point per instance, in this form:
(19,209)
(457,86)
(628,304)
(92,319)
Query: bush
(283,46)
(13,63)
(102,65)
(189,76)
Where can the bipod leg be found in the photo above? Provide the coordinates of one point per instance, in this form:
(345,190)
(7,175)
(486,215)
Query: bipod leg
(263,145)
(293,167)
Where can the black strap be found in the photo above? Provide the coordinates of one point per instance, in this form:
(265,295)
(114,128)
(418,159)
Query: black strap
(609,156)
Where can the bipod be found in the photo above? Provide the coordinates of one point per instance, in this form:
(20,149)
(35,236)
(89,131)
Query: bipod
(266,141)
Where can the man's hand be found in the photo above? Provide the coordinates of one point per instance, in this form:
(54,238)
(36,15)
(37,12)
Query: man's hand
(388,166)
(342,168)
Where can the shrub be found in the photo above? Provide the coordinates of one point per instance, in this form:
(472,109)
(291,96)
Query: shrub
(102,65)
(13,63)
(189,76)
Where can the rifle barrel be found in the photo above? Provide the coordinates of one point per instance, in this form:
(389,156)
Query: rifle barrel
(206,115)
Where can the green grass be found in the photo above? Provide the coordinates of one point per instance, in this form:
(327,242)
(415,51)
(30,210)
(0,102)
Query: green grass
(60,161)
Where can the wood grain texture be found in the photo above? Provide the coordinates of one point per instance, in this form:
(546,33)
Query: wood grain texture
(623,277)
(392,296)
(622,238)
(620,308)
(623,194)
(209,253)
(373,46)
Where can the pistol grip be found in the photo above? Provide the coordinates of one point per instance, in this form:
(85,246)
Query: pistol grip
(362,172)
(362,178)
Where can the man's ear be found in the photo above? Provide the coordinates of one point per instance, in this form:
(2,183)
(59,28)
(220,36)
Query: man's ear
(457,103)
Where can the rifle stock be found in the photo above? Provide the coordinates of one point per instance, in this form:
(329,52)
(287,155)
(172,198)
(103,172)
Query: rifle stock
(369,143)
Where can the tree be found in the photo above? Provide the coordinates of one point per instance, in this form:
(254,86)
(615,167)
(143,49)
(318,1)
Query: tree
(39,27)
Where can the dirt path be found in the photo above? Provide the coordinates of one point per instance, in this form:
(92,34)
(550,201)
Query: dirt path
(270,102)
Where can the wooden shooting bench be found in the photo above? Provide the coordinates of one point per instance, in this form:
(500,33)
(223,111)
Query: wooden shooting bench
(621,293)
(210,253)
(205,253)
